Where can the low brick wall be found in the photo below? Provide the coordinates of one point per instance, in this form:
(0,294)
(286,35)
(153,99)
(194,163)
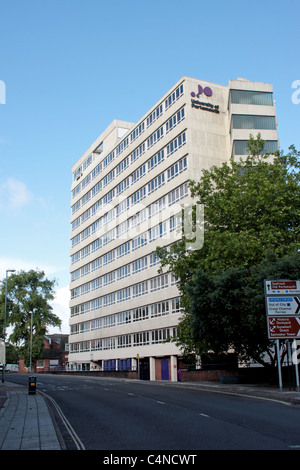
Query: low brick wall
(206,375)
(119,374)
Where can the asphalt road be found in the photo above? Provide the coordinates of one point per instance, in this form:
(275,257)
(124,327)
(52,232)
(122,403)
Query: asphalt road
(113,414)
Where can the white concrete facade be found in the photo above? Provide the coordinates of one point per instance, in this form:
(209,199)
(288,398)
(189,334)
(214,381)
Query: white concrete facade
(127,189)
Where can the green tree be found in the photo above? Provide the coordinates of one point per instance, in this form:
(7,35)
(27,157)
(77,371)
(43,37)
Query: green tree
(29,294)
(251,208)
(227,308)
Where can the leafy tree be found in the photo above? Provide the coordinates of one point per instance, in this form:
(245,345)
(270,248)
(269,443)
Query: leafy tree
(12,354)
(29,294)
(251,207)
(227,308)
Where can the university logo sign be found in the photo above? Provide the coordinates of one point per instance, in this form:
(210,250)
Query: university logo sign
(213,108)
(207,91)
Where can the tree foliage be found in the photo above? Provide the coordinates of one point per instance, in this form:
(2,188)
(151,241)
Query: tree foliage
(28,303)
(251,209)
(227,308)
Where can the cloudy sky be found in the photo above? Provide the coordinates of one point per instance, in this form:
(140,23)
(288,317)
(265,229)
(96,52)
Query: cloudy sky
(68,68)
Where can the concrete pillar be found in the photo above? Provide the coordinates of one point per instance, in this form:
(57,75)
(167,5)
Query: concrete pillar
(173,365)
(152,368)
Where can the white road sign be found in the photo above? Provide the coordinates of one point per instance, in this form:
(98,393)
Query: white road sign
(285,305)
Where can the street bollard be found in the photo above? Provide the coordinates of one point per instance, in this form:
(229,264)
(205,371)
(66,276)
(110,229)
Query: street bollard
(32,385)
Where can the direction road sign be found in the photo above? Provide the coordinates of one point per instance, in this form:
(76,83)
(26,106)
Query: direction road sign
(282,287)
(283,308)
(283,327)
(287,305)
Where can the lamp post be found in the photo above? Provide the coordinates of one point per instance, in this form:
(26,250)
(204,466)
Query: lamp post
(4,328)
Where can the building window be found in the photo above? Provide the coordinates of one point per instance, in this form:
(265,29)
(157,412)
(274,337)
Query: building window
(176,144)
(240,147)
(141,339)
(138,196)
(159,309)
(178,168)
(156,183)
(155,137)
(247,121)
(141,171)
(156,160)
(160,336)
(124,341)
(174,96)
(124,317)
(177,194)
(176,305)
(139,314)
(158,231)
(251,97)
(159,282)
(139,241)
(154,115)
(157,207)
(124,271)
(139,265)
(140,289)
(123,250)
(174,120)
(123,294)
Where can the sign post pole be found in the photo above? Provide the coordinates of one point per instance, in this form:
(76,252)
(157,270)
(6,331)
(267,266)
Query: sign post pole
(282,299)
(278,363)
(295,361)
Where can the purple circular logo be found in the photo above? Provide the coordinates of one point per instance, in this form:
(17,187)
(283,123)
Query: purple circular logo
(207,91)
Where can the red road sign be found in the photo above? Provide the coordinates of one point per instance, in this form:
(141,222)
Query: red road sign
(283,285)
(283,327)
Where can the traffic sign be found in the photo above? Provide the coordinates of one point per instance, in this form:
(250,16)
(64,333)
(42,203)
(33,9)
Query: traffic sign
(283,327)
(282,287)
(283,308)
(287,305)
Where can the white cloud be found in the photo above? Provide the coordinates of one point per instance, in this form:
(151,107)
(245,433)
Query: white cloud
(24,265)
(60,307)
(14,194)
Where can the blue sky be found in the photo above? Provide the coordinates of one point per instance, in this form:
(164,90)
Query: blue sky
(70,67)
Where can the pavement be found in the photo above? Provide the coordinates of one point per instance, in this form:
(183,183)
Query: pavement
(27,422)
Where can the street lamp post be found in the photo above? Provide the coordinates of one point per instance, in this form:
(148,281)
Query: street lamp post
(4,328)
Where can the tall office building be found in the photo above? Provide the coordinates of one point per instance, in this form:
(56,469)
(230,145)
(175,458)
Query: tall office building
(127,191)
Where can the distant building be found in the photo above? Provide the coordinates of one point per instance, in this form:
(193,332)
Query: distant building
(127,192)
(55,353)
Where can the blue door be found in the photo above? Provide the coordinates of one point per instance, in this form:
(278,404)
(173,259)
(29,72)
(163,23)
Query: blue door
(164,369)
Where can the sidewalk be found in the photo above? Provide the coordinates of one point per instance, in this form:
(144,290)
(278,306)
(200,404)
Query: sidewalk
(25,420)
(285,395)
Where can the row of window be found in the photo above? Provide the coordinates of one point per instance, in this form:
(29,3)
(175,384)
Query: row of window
(126,232)
(124,271)
(174,145)
(177,143)
(172,172)
(136,290)
(124,341)
(172,98)
(173,197)
(154,310)
(136,197)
